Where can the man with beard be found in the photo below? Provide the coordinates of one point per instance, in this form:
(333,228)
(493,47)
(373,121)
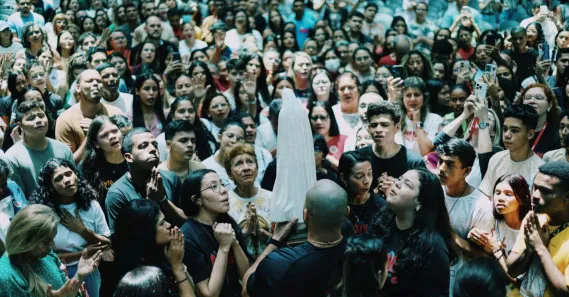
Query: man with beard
(110,89)
(141,32)
(73,124)
(23,16)
(355,24)
(144,180)
(154,30)
(524,56)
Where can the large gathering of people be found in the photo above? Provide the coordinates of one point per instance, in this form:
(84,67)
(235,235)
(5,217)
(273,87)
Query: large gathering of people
(286,148)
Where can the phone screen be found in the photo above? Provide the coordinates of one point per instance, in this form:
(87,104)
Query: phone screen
(398,71)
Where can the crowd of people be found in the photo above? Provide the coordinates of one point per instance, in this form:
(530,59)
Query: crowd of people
(139,145)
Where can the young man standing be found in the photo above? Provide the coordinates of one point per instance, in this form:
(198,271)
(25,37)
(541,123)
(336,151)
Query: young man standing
(235,73)
(110,89)
(524,56)
(541,249)
(27,157)
(19,19)
(181,143)
(518,132)
(466,206)
(389,159)
(143,180)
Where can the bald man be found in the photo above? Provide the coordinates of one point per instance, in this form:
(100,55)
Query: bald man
(72,125)
(307,269)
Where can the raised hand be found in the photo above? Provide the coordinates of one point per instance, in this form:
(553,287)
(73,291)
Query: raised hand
(174,250)
(251,217)
(250,86)
(73,223)
(155,187)
(199,88)
(70,288)
(87,265)
(536,236)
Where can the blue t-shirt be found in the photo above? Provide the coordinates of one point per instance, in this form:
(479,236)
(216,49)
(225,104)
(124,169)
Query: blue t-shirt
(17,22)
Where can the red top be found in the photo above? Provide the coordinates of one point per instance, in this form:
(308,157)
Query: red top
(336,145)
(387,60)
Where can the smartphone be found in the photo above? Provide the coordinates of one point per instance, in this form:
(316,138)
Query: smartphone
(398,71)
(491,39)
(464,66)
(543,9)
(490,72)
(543,49)
(480,91)
(176,57)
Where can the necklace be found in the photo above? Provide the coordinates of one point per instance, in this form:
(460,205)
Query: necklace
(361,209)
(461,194)
(326,244)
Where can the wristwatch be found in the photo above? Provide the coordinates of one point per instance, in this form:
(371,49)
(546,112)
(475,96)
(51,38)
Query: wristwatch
(420,125)
(483,125)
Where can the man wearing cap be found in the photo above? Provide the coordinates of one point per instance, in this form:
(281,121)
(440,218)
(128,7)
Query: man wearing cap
(23,16)
(7,44)
(221,50)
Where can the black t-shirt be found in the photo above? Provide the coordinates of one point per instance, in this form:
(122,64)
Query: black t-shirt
(430,279)
(201,251)
(396,166)
(304,270)
(361,216)
(109,173)
(525,62)
(549,139)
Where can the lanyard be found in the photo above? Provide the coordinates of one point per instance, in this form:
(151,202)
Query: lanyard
(539,136)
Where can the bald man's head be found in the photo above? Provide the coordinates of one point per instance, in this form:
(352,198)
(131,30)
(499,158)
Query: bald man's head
(402,45)
(326,206)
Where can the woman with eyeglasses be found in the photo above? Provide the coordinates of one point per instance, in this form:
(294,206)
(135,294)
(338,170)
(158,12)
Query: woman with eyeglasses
(346,111)
(542,99)
(321,88)
(324,123)
(229,135)
(212,237)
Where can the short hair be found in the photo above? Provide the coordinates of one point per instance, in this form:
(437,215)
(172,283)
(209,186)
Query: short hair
(559,170)
(384,107)
(371,4)
(121,121)
(177,126)
(469,29)
(524,113)
(26,106)
(31,64)
(275,107)
(104,66)
(459,148)
(320,144)
(481,276)
(92,51)
(175,11)
(127,139)
(357,14)
(235,64)
(237,150)
(518,30)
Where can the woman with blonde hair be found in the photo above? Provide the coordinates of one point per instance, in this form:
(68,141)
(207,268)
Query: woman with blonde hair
(30,267)
(54,28)
(300,72)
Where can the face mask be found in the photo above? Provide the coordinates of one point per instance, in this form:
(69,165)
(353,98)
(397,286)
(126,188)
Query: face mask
(332,65)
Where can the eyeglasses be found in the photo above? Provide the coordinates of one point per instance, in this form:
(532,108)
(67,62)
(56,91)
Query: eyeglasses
(319,117)
(215,188)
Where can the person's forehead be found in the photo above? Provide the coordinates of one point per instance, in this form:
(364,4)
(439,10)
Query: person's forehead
(542,179)
(143,137)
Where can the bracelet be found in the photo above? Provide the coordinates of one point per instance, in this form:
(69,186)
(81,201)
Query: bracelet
(162,200)
(185,278)
(277,243)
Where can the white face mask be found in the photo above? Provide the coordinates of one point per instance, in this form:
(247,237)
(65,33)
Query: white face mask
(332,65)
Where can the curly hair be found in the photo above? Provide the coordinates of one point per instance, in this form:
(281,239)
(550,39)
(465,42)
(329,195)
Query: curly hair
(44,193)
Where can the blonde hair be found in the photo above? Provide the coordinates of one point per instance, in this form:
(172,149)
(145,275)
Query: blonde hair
(31,226)
(295,56)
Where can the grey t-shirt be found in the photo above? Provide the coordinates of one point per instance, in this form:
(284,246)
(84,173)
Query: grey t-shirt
(123,191)
(27,163)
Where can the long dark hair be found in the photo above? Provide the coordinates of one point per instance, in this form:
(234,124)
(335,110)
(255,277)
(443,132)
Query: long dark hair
(45,193)
(204,138)
(134,240)
(347,162)
(137,116)
(58,47)
(431,221)
(127,75)
(334,130)
(521,190)
(209,81)
(262,87)
(238,104)
(280,77)
(93,157)
(143,281)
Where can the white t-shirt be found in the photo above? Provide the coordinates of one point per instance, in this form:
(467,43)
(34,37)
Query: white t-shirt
(123,102)
(94,220)
(13,48)
(465,213)
(211,127)
(555,156)
(266,136)
(409,136)
(344,126)
(238,206)
(211,163)
(501,164)
(185,50)
(235,41)
(504,232)
(4,224)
